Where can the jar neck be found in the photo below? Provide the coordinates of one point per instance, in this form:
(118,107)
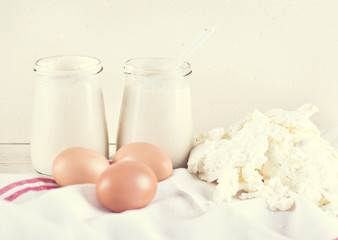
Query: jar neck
(156,69)
(62,68)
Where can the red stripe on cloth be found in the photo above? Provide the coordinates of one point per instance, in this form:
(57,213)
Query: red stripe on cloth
(22,191)
(19,183)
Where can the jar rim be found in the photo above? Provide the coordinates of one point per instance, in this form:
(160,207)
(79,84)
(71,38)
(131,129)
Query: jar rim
(155,66)
(68,64)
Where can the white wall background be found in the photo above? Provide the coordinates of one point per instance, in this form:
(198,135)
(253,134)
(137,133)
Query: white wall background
(264,53)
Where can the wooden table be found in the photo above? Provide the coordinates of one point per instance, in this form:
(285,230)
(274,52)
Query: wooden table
(16,158)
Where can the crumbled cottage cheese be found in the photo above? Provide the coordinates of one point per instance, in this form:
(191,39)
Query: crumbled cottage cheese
(273,155)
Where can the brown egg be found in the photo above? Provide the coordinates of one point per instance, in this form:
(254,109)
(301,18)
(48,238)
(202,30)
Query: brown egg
(126,185)
(149,154)
(78,165)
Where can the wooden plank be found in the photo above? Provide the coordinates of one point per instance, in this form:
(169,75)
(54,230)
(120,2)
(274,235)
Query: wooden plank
(15,158)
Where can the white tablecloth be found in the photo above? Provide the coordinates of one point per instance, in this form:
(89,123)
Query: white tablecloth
(34,207)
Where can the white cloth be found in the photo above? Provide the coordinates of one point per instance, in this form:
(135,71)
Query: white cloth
(181,209)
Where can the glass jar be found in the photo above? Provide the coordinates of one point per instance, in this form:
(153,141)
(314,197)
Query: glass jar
(156,107)
(68,109)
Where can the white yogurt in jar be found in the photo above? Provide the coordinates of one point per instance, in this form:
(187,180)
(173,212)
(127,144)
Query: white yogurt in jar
(156,108)
(68,109)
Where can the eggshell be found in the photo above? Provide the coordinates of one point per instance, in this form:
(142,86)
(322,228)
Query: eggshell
(78,165)
(126,185)
(149,154)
